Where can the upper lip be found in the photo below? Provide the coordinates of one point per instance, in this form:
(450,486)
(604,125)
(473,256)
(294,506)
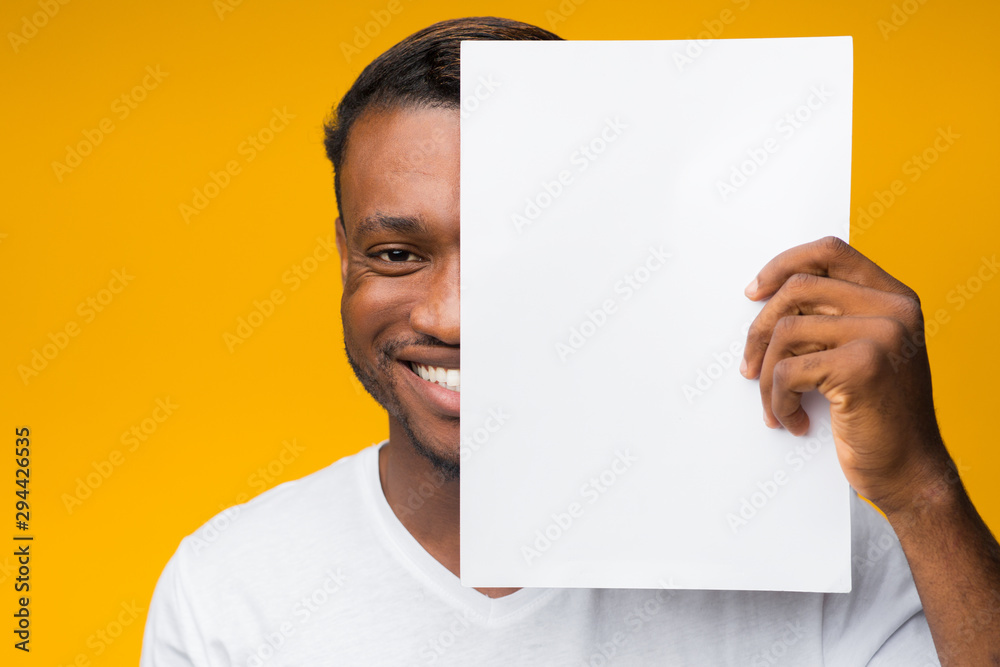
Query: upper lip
(439,356)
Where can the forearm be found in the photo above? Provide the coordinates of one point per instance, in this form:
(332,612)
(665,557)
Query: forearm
(955,562)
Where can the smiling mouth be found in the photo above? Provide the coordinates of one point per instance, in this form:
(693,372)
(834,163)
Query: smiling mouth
(449,378)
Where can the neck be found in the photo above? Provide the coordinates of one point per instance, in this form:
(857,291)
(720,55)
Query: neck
(424,501)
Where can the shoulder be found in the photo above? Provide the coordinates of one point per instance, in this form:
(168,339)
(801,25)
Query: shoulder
(295,517)
(238,576)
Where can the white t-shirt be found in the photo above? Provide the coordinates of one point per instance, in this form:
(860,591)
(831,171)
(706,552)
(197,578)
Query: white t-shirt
(320,571)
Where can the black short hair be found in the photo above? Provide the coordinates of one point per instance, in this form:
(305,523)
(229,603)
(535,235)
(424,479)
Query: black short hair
(420,71)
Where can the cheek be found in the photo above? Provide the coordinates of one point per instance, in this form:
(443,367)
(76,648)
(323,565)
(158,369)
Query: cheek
(375,308)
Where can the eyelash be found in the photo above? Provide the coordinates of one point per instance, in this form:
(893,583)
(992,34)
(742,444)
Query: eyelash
(378,255)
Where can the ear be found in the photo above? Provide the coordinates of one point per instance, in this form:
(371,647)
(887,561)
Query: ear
(342,248)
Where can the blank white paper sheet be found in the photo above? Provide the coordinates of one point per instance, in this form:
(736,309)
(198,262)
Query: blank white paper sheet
(616,198)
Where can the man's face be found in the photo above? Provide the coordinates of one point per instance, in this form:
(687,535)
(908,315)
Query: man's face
(399,259)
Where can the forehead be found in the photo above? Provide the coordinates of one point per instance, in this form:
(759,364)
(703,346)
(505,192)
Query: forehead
(402,162)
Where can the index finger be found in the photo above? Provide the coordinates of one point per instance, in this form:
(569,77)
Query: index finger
(830,257)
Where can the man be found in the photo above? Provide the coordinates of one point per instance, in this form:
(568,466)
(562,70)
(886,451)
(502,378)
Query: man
(357,564)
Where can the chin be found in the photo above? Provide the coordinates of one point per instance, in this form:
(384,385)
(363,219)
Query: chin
(439,445)
(434,436)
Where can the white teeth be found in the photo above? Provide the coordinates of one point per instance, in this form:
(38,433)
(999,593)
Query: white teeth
(449,378)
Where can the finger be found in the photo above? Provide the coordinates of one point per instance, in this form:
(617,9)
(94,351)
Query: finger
(831,257)
(808,294)
(831,372)
(805,336)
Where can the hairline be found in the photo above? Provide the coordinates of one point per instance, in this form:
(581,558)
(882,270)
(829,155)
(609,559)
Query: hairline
(374,109)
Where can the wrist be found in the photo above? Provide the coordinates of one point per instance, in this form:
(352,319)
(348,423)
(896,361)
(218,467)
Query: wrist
(934,494)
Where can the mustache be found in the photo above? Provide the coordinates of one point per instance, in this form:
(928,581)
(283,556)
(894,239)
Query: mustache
(387,351)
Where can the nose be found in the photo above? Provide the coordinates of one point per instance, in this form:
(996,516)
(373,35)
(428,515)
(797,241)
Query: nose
(437,312)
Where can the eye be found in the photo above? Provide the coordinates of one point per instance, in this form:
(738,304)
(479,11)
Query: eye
(398,255)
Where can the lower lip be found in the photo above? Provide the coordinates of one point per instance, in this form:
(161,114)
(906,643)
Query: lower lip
(444,400)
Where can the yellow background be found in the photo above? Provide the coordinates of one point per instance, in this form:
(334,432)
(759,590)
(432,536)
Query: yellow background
(162,335)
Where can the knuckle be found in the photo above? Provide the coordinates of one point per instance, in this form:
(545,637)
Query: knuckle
(800,282)
(793,417)
(866,358)
(834,246)
(782,372)
(786,326)
(893,329)
(904,290)
(757,338)
(911,313)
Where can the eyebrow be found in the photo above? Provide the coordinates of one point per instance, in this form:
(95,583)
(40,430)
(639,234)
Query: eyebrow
(399,224)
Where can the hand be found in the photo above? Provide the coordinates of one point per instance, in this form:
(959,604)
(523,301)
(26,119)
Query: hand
(837,323)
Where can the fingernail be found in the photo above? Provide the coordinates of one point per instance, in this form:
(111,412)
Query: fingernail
(767,422)
(743,367)
(751,289)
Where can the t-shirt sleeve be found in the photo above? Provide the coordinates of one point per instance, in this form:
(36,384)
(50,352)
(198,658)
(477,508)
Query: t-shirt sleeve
(173,637)
(882,621)
(910,644)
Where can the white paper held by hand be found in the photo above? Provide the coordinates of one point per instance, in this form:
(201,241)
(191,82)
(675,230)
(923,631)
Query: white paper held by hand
(615,201)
